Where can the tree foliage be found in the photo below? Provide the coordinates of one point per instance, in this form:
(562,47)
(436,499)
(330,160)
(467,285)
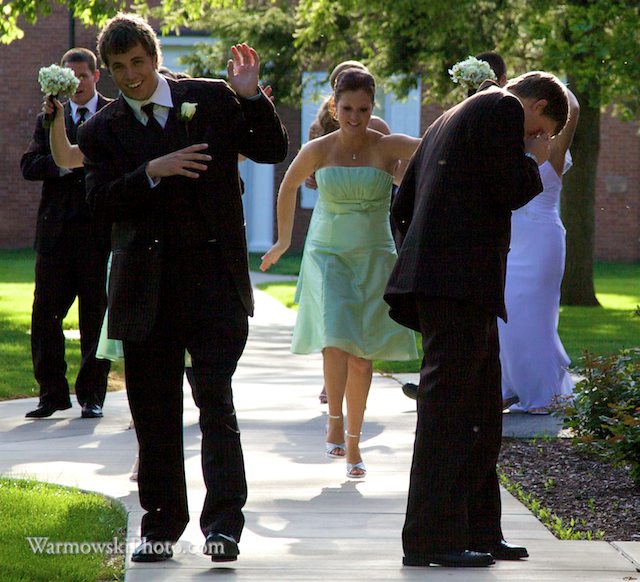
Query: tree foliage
(268,28)
(15,13)
(595,41)
(591,43)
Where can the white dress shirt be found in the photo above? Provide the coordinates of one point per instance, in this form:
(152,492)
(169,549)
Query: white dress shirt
(161,100)
(91,106)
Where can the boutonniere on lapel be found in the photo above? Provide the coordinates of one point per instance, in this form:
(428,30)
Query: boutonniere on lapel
(187,111)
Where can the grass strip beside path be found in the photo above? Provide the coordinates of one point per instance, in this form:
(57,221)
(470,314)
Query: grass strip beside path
(601,330)
(16,300)
(37,516)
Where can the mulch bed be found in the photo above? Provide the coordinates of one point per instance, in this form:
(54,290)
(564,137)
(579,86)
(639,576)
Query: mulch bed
(571,484)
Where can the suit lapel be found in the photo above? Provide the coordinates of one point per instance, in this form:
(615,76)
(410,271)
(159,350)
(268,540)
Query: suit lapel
(131,134)
(178,97)
(102,102)
(69,124)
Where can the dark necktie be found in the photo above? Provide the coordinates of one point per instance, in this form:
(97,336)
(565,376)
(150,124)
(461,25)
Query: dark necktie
(82,113)
(152,123)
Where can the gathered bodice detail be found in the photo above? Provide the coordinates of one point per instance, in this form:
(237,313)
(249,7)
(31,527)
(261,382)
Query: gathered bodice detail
(346,189)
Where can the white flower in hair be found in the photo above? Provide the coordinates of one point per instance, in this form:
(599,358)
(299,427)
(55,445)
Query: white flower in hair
(471,72)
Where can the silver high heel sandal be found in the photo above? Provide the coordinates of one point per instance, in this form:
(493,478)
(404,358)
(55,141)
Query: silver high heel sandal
(334,450)
(353,467)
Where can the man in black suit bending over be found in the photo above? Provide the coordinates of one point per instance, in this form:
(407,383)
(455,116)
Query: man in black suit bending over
(72,250)
(162,165)
(477,163)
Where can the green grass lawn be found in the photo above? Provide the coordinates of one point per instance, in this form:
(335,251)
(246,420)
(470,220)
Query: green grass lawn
(16,299)
(36,510)
(289,263)
(601,330)
(613,325)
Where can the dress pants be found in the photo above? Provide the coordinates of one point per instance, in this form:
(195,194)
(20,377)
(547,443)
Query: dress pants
(76,267)
(200,310)
(454,496)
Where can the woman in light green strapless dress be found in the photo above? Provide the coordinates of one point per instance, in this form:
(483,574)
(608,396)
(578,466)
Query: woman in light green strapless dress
(348,257)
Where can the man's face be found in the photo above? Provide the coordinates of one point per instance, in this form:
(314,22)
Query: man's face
(88,79)
(535,122)
(134,72)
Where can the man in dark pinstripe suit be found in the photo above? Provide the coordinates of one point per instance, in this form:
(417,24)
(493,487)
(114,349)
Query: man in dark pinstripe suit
(162,165)
(476,163)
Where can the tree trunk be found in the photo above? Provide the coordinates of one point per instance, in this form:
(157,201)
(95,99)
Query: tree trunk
(577,204)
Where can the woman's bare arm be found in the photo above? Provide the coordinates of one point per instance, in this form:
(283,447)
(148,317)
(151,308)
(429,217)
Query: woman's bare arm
(562,142)
(303,165)
(65,154)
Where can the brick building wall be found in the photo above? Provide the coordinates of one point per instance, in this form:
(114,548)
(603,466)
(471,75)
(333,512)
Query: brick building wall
(21,100)
(617,206)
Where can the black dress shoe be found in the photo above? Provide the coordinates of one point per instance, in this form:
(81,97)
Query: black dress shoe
(410,390)
(153,551)
(504,551)
(91,411)
(221,547)
(45,410)
(465,559)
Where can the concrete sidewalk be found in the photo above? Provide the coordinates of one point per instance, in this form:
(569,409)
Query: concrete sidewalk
(305,519)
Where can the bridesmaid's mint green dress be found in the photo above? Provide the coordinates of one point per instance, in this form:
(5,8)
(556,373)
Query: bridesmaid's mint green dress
(111,349)
(108,349)
(348,257)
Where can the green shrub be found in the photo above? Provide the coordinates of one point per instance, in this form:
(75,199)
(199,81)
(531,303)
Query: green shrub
(604,414)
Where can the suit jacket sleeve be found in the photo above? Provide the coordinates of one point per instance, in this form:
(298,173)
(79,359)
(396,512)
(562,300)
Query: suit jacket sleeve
(403,203)
(518,180)
(37,162)
(265,139)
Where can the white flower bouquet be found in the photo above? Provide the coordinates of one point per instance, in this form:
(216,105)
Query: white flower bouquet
(60,82)
(471,72)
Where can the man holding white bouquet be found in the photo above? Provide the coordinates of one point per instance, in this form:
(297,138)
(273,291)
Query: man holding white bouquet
(72,248)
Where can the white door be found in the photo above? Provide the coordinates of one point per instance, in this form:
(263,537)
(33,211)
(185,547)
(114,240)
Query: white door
(258,200)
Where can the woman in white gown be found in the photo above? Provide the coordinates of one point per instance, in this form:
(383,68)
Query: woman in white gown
(534,361)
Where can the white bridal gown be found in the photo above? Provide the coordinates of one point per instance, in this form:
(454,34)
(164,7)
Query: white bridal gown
(534,362)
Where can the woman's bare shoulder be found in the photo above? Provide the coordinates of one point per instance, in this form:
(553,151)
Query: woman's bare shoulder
(379,124)
(318,148)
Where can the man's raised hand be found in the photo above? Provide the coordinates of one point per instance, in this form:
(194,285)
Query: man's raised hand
(243,70)
(185,162)
(539,146)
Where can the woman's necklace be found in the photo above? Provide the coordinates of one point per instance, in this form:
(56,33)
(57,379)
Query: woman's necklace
(357,148)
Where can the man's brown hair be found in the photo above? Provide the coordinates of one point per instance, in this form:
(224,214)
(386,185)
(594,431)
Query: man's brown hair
(80,55)
(540,85)
(123,32)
